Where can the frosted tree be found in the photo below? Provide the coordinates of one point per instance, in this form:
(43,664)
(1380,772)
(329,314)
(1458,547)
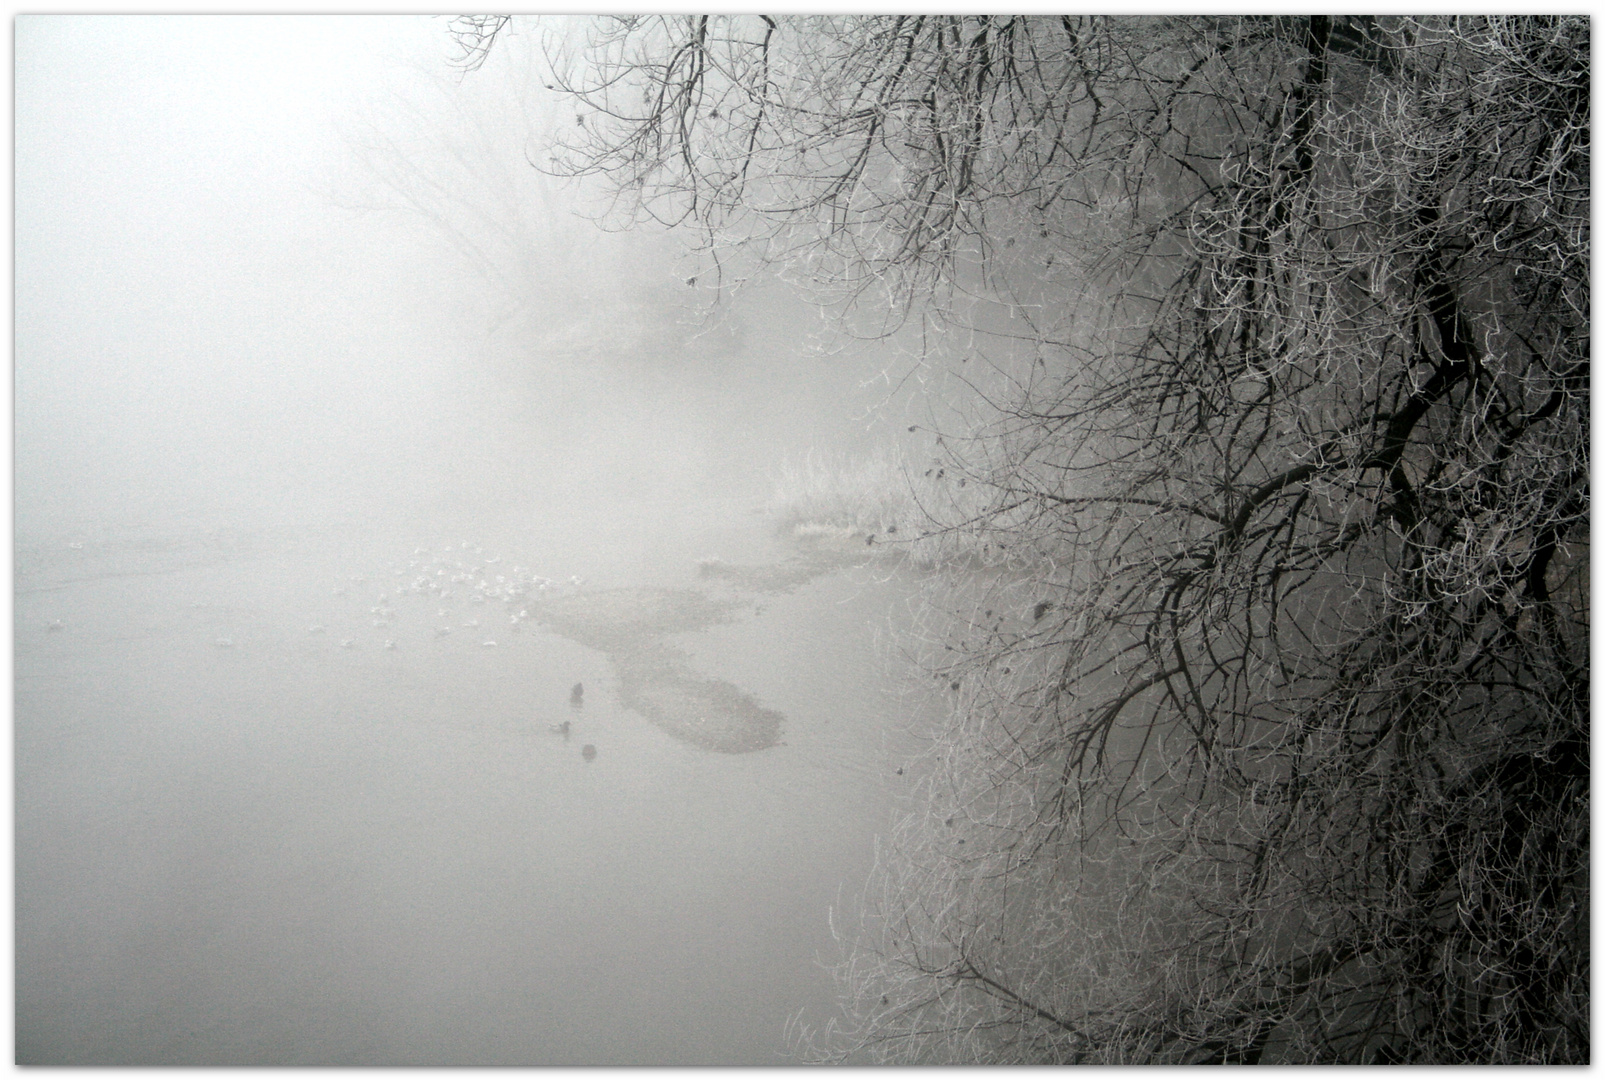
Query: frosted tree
(1273,743)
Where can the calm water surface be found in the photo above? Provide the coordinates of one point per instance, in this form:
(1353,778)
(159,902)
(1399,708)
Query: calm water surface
(243,840)
(248,832)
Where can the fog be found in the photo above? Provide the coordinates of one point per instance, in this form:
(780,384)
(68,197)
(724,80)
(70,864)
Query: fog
(318,388)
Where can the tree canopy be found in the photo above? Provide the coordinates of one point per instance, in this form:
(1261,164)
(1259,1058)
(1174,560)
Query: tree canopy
(1273,742)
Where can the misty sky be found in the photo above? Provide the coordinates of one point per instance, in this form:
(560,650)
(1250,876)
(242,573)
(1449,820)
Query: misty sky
(291,307)
(207,272)
(166,168)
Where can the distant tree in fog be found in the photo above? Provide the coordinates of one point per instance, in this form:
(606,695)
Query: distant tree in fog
(1274,746)
(451,153)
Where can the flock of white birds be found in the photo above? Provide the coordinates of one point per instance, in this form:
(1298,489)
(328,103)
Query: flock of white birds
(462,582)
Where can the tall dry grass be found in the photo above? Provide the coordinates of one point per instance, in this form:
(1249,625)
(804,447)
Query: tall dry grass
(930,513)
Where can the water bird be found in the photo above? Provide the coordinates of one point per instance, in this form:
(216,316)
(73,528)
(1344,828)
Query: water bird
(390,644)
(1042,608)
(560,729)
(576,696)
(55,624)
(347,643)
(588,751)
(315,628)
